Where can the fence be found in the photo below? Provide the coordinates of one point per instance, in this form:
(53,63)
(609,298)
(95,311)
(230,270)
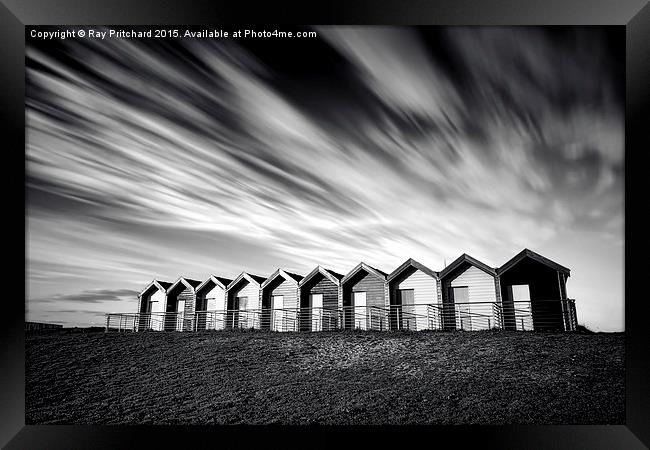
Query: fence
(171,321)
(40,326)
(519,316)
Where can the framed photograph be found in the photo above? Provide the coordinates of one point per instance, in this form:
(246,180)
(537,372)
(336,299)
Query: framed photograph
(403,216)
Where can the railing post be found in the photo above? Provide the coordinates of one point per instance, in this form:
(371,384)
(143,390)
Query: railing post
(566,315)
(574,316)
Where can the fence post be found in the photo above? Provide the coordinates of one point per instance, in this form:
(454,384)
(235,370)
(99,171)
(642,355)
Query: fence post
(567,318)
(574,316)
(108,318)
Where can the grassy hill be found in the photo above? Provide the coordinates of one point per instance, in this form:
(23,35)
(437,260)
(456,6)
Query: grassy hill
(348,377)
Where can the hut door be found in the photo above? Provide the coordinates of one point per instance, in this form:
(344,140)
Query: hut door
(232,312)
(277,313)
(316,302)
(241,303)
(460,297)
(360,311)
(180,310)
(523,313)
(396,310)
(407,300)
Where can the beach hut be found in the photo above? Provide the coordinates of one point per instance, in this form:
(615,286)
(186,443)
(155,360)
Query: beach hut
(319,296)
(180,304)
(414,297)
(533,290)
(280,301)
(151,305)
(243,301)
(364,293)
(211,303)
(469,291)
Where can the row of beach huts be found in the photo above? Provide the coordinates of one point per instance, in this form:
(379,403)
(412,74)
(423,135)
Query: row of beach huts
(526,293)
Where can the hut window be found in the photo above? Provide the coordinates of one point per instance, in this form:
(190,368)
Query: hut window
(277,302)
(317,300)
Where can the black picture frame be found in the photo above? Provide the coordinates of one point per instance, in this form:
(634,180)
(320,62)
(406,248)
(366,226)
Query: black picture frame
(634,15)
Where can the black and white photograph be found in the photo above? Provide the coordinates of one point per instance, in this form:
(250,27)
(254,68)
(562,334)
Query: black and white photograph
(324,225)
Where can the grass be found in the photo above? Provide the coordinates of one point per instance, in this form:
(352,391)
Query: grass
(348,377)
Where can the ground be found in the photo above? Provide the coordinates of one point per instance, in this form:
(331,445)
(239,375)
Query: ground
(362,377)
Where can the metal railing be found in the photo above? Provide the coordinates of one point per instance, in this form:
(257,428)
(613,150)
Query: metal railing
(539,315)
(171,321)
(284,319)
(517,316)
(417,317)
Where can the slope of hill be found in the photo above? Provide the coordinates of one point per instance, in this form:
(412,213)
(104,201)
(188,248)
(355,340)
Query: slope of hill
(327,378)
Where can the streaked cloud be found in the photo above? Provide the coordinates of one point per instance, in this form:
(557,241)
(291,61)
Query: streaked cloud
(90,296)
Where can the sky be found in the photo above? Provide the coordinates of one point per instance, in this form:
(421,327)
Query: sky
(161,158)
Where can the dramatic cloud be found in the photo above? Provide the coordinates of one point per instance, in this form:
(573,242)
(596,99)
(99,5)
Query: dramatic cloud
(165,158)
(82,308)
(91,296)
